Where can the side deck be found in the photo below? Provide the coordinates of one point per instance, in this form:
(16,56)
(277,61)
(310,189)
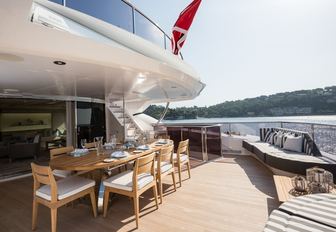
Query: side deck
(235,193)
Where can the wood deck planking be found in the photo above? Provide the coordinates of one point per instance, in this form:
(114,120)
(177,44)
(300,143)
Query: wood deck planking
(232,194)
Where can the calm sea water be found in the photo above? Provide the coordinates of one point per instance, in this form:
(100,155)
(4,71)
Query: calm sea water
(330,119)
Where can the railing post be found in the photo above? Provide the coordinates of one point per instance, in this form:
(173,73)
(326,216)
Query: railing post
(313,132)
(281,124)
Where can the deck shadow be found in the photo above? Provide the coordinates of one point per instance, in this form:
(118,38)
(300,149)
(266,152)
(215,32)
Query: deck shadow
(259,176)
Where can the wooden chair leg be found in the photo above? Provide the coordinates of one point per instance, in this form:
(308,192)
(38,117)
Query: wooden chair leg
(156,196)
(53,219)
(188,165)
(105,203)
(93,202)
(174,182)
(136,210)
(35,211)
(160,189)
(179,173)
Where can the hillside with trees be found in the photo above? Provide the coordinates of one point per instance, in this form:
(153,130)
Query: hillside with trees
(321,101)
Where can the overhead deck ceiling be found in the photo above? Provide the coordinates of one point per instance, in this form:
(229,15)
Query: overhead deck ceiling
(96,65)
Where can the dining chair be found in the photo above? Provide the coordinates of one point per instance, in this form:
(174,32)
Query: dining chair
(90,145)
(133,183)
(54,194)
(181,157)
(165,166)
(58,152)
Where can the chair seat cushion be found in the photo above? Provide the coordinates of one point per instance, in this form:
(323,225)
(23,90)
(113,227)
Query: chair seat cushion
(66,187)
(183,157)
(124,180)
(62,173)
(165,166)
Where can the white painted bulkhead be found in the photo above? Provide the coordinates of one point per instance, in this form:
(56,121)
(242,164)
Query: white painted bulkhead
(102,60)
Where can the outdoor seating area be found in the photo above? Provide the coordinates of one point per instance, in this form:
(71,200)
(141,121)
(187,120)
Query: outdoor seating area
(69,176)
(212,192)
(300,154)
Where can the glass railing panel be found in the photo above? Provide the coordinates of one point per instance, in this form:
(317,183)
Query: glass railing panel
(247,128)
(194,134)
(204,141)
(213,142)
(115,12)
(299,127)
(175,135)
(147,30)
(324,137)
(57,1)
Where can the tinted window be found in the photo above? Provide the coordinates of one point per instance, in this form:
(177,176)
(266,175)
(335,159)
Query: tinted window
(147,30)
(57,1)
(115,12)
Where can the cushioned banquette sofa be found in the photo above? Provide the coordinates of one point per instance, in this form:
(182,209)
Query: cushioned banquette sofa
(290,151)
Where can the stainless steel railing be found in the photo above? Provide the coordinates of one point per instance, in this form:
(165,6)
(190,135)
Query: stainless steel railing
(324,135)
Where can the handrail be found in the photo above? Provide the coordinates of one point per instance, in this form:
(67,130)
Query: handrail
(244,122)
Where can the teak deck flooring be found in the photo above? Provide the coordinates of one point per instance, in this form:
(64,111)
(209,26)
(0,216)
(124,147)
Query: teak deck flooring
(235,193)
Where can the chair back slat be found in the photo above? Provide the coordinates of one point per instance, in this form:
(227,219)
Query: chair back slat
(166,154)
(60,151)
(90,145)
(145,164)
(41,173)
(183,147)
(43,179)
(44,175)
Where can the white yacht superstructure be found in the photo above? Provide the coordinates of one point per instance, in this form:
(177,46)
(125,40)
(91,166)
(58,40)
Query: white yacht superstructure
(51,51)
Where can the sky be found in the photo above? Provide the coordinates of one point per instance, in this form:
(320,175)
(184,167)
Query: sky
(248,48)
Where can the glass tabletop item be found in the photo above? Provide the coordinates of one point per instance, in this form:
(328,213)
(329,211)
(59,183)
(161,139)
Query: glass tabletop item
(109,146)
(99,144)
(79,152)
(83,142)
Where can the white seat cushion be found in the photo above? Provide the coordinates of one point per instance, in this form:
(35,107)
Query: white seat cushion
(66,187)
(183,157)
(165,166)
(62,173)
(124,180)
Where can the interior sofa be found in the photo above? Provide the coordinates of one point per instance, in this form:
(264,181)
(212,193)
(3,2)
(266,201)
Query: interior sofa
(25,150)
(297,162)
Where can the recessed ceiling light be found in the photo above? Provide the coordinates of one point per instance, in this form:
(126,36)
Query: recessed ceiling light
(59,62)
(141,78)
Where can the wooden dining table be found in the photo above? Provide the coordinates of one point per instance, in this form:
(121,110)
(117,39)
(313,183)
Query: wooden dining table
(93,161)
(95,164)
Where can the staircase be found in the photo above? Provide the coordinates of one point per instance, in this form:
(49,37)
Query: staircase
(132,130)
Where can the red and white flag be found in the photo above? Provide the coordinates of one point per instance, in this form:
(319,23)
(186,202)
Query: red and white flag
(182,25)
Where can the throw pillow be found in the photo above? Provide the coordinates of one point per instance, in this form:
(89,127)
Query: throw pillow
(293,143)
(271,138)
(278,140)
(267,135)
